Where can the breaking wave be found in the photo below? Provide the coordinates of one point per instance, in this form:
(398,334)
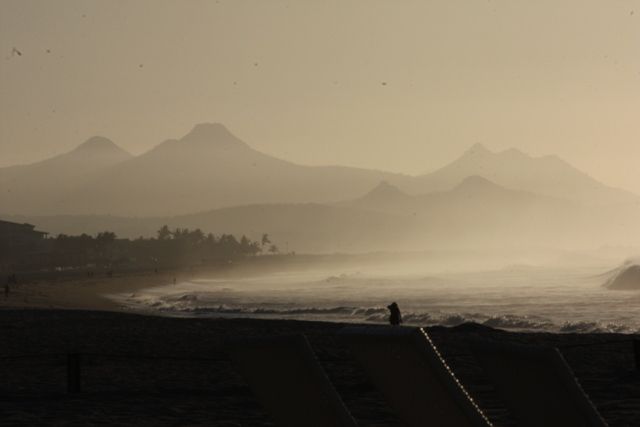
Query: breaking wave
(192,305)
(521,299)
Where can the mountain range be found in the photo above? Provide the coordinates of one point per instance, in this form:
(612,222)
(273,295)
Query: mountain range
(207,168)
(475,214)
(547,175)
(210,168)
(211,180)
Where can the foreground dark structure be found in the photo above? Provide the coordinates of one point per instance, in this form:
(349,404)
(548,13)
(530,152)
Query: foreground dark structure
(21,244)
(536,384)
(285,375)
(153,371)
(407,368)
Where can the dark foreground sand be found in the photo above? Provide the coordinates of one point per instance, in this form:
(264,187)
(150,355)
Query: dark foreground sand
(155,392)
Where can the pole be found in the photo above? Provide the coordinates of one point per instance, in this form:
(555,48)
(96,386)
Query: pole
(73,373)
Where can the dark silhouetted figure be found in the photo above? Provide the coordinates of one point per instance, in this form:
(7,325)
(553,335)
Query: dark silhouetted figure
(6,290)
(395,318)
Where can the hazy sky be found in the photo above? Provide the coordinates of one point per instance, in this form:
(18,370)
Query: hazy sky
(399,85)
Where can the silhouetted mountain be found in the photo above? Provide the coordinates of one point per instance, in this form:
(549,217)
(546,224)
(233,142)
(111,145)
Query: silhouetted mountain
(99,147)
(474,194)
(480,213)
(475,183)
(477,204)
(384,198)
(385,193)
(476,188)
(548,175)
(41,187)
(209,168)
(475,214)
(95,152)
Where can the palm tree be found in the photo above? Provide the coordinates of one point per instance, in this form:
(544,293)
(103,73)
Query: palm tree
(164,233)
(265,240)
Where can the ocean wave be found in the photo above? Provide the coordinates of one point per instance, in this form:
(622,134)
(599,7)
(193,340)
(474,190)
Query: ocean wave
(226,309)
(510,321)
(594,327)
(193,304)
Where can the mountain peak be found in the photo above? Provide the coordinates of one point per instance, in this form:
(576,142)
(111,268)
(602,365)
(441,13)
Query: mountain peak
(385,188)
(385,192)
(98,143)
(211,134)
(478,149)
(476,183)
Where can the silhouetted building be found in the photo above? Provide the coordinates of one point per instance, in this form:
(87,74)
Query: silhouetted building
(20,244)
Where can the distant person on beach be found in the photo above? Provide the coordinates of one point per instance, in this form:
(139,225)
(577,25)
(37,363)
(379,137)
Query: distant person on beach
(6,290)
(395,318)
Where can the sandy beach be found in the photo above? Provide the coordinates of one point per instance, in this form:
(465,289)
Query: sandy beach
(150,370)
(87,293)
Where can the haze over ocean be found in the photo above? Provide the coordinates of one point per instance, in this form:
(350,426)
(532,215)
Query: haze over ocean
(520,298)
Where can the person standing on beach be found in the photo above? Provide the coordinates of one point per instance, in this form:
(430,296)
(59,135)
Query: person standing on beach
(395,317)
(6,290)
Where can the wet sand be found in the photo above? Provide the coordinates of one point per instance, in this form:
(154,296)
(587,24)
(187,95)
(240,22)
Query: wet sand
(85,293)
(127,380)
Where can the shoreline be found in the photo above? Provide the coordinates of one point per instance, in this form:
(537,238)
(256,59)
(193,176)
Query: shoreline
(114,294)
(85,293)
(76,290)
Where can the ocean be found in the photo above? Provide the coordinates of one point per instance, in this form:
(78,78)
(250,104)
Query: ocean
(517,297)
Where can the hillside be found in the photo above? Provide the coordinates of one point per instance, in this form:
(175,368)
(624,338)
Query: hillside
(208,168)
(474,214)
(548,175)
(43,187)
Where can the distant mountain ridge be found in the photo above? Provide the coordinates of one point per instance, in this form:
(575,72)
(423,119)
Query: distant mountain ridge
(207,168)
(41,187)
(102,146)
(473,194)
(210,168)
(476,213)
(547,175)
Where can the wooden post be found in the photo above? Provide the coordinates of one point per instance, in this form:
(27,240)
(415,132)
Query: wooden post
(73,373)
(636,353)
